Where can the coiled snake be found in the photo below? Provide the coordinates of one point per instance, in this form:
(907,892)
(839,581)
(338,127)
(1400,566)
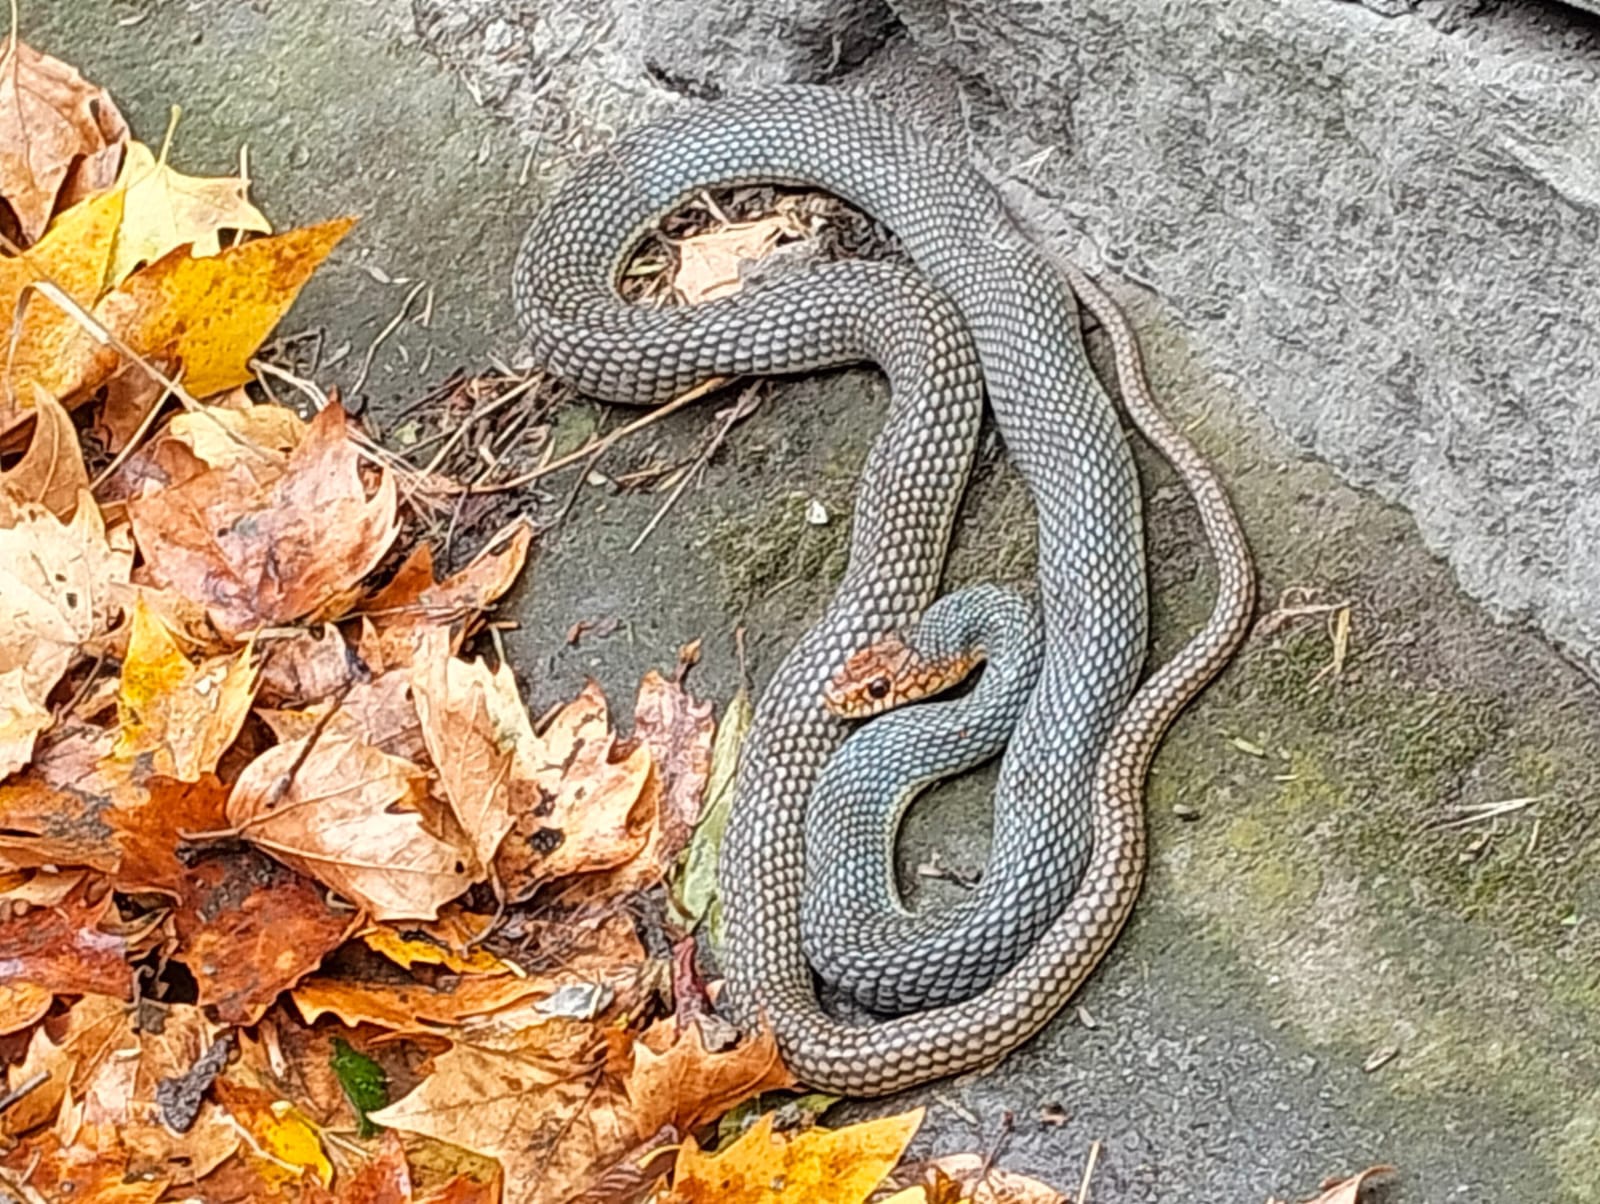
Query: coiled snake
(981,311)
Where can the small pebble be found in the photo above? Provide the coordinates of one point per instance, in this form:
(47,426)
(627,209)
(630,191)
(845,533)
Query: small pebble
(1185,812)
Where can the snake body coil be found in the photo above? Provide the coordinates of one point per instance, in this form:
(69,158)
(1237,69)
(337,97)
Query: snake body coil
(982,310)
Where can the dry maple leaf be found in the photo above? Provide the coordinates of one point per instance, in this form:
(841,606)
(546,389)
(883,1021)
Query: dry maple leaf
(675,1080)
(63,949)
(92,1028)
(532,1098)
(55,581)
(473,721)
(414,599)
(220,435)
(843,1166)
(51,470)
(301,667)
(58,810)
(708,264)
(350,816)
(584,812)
(1348,1191)
(166,209)
(181,714)
(53,124)
(679,731)
(255,555)
(124,1095)
(378,711)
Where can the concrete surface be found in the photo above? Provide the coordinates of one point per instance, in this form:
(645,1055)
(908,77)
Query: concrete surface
(1318,976)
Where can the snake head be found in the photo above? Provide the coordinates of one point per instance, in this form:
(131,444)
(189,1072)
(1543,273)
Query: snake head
(886,674)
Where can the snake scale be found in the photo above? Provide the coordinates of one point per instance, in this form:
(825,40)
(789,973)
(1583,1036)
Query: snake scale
(981,312)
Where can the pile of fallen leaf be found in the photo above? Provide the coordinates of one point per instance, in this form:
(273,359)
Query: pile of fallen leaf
(297,901)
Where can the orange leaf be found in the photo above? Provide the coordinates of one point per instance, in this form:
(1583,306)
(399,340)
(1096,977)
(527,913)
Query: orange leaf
(412,1007)
(249,928)
(55,812)
(268,555)
(150,827)
(182,715)
(675,1080)
(62,949)
(580,811)
(22,1004)
(448,941)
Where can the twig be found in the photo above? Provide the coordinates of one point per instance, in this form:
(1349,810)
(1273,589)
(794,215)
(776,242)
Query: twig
(1475,813)
(1088,1173)
(745,407)
(24,1089)
(499,403)
(394,325)
(604,441)
(319,399)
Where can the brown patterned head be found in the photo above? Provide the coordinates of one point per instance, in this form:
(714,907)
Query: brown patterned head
(889,673)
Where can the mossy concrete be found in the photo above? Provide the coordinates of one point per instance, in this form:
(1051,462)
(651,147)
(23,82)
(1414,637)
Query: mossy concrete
(1320,974)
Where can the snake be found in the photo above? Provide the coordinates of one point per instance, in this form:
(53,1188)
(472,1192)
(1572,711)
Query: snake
(854,923)
(978,312)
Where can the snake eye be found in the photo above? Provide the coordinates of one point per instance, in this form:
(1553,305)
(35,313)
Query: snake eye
(878,688)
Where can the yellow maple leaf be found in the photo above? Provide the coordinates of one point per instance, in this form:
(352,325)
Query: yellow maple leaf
(843,1166)
(72,256)
(445,942)
(167,209)
(184,714)
(207,316)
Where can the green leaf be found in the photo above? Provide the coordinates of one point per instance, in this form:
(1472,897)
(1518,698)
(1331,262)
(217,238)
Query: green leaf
(694,892)
(365,1084)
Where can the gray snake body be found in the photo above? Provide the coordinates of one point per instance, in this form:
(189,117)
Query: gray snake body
(982,310)
(854,924)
